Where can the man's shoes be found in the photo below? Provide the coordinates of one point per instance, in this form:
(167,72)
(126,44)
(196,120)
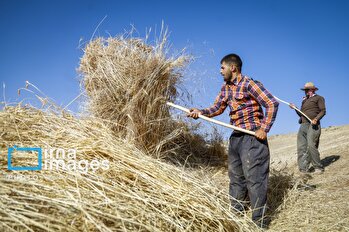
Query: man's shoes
(319,170)
(305,171)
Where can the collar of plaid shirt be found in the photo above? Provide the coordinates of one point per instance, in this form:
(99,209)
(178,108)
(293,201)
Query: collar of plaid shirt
(236,80)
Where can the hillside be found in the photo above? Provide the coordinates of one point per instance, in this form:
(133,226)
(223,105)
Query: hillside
(326,207)
(316,202)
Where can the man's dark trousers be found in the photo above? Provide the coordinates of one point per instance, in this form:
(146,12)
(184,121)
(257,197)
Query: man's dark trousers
(307,146)
(248,169)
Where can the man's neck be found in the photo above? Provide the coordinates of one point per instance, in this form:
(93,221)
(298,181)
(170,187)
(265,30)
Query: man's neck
(311,95)
(235,76)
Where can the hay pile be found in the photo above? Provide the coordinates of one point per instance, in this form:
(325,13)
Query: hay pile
(127,83)
(137,192)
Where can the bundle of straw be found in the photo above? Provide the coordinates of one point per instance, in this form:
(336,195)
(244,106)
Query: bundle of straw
(136,193)
(128,83)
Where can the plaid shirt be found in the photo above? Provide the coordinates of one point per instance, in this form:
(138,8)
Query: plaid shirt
(245,98)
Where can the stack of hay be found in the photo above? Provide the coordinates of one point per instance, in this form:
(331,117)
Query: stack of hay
(127,82)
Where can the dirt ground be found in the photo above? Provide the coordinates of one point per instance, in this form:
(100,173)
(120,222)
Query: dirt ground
(317,202)
(311,202)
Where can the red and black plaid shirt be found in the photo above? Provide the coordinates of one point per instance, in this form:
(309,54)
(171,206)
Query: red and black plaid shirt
(245,98)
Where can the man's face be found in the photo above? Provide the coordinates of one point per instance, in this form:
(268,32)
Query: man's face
(309,92)
(226,71)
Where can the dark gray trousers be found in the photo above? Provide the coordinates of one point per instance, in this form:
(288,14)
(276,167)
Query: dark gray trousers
(248,169)
(307,146)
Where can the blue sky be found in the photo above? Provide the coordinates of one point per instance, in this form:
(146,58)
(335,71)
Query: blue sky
(282,43)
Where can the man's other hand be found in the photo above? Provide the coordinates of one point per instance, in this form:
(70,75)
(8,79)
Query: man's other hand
(261,134)
(194,113)
(292,106)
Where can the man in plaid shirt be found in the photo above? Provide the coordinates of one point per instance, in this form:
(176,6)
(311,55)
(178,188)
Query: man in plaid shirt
(248,160)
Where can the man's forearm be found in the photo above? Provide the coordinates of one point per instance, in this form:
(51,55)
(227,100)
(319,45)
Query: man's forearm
(214,110)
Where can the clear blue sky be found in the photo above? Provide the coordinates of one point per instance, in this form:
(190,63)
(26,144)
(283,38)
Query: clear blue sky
(282,43)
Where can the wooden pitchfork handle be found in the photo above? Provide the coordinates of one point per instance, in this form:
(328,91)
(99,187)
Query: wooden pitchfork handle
(210,119)
(294,108)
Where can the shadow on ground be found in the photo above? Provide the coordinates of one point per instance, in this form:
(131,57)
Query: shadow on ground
(327,161)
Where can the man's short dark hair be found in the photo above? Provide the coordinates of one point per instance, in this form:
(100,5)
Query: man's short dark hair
(232,59)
